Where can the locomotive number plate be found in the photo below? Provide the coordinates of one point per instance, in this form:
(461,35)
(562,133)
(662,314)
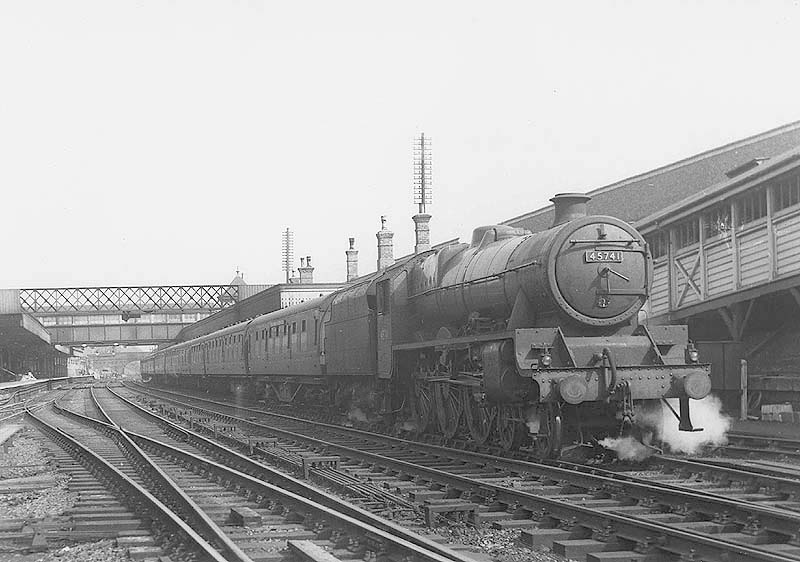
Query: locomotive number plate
(603,256)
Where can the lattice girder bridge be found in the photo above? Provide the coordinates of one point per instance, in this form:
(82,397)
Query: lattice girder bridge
(169,298)
(132,315)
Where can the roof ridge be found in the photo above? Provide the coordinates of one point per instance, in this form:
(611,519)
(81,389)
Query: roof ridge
(675,165)
(775,162)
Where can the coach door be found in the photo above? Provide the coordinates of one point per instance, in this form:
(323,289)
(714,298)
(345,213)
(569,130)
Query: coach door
(383,328)
(247,345)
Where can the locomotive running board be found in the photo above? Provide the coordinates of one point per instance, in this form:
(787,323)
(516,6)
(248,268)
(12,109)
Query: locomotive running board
(463,340)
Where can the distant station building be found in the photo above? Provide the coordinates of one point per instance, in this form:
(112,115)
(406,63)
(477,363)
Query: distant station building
(255,300)
(723,227)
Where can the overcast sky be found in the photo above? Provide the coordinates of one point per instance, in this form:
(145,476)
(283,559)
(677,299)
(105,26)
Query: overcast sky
(168,142)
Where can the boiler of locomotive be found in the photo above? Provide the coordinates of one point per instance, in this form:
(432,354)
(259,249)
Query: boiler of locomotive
(583,271)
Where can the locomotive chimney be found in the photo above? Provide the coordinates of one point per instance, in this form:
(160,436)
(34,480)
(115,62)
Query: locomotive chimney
(352,261)
(385,248)
(306,271)
(568,207)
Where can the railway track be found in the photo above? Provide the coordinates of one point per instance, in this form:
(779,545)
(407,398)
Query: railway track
(113,499)
(580,511)
(16,401)
(240,516)
(744,445)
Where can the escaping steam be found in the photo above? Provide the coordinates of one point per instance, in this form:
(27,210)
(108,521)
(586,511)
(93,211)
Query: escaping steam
(628,448)
(408,426)
(532,420)
(706,413)
(357,414)
(655,419)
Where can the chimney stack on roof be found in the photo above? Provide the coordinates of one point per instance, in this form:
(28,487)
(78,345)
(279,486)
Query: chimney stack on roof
(422,231)
(385,246)
(352,261)
(306,271)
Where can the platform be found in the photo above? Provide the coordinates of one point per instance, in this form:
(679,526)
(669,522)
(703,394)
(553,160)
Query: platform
(26,346)
(22,329)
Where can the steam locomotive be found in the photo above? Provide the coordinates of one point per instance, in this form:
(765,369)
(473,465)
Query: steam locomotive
(517,338)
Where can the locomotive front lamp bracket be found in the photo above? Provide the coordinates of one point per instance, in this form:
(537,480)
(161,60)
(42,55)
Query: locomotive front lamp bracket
(692,355)
(545,359)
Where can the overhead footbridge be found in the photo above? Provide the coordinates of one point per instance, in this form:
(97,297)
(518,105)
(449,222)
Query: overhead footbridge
(126,315)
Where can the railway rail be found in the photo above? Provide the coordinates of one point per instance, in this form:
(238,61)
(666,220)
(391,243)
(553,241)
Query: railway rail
(122,473)
(580,511)
(239,514)
(746,445)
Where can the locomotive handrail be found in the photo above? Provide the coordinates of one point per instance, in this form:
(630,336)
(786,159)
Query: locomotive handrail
(484,279)
(599,241)
(614,292)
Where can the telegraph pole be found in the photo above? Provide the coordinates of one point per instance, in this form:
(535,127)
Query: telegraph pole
(423,195)
(287,253)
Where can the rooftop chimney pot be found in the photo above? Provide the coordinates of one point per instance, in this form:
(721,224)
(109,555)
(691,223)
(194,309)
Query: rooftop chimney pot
(352,261)
(306,271)
(385,246)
